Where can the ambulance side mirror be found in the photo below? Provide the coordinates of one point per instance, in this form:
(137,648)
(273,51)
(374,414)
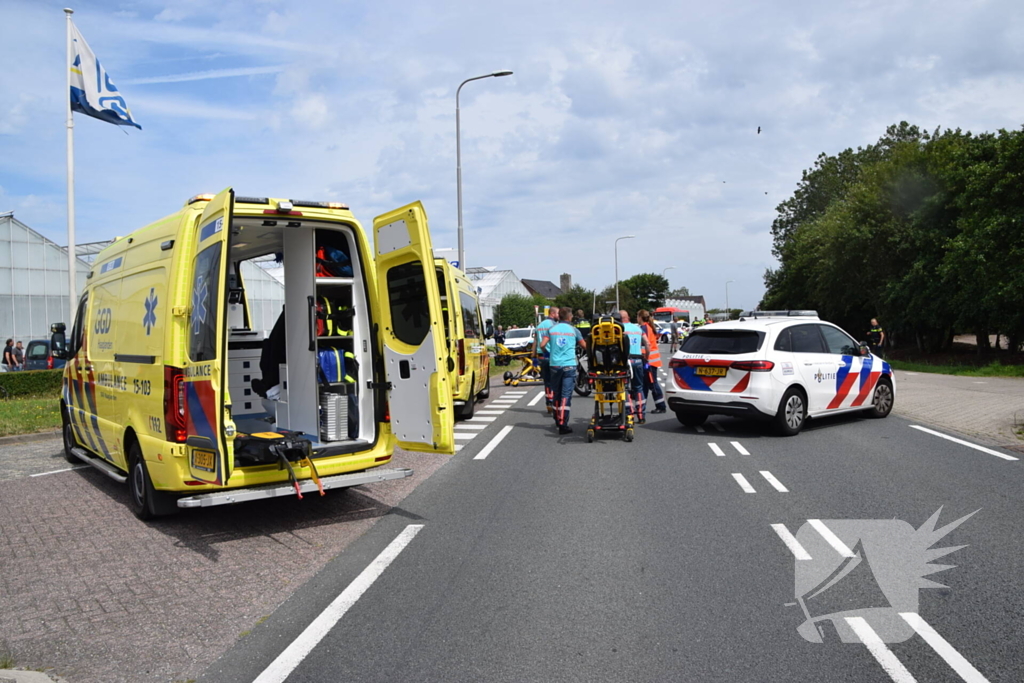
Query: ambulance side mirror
(58,341)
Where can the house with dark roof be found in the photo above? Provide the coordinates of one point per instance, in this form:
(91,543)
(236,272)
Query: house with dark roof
(545,288)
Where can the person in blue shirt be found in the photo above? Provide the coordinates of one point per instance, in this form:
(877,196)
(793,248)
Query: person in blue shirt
(637,355)
(540,335)
(561,343)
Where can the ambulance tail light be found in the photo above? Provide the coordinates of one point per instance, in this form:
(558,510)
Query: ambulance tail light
(462,357)
(753,365)
(175,407)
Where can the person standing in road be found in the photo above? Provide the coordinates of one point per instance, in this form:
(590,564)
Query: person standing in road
(582,324)
(651,384)
(673,329)
(7,360)
(19,356)
(499,336)
(876,337)
(637,353)
(561,344)
(540,335)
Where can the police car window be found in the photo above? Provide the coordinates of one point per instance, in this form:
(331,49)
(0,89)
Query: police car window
(470,324)
(204,297)
(806,339)
(410,309)
(784,342)
(723,341)
(837,341)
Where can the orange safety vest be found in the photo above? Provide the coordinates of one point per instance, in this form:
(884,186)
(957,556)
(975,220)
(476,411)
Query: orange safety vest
(653,353)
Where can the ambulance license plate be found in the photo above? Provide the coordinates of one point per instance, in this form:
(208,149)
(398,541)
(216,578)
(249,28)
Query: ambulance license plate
(712,371)
(203,460)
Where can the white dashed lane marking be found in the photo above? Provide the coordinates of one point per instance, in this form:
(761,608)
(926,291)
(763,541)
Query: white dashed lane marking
(458,447)
(493,443)
(790,540)
(536,399)
(718,426)
(491,412)
(831,538)
(700,430)
(477,418)
(943,648)
(776,484)
(464,436)
(739,447)
(882,654)
(716,450)
(742,481)
(471,427)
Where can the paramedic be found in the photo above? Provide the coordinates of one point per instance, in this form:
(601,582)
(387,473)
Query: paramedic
(651,383)
(637,353)
(561,344)
(267,386)
(542,334)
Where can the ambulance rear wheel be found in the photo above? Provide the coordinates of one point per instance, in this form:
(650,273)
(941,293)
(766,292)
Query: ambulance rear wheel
(466,410)
(145,501)
(485,393)
(68,433)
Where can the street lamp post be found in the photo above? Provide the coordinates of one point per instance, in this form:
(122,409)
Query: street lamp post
(458,156)
(728,311)
(627,237)
(666,270)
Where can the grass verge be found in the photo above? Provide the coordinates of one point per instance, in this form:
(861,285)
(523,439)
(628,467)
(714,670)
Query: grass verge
(993,369)
(27,415)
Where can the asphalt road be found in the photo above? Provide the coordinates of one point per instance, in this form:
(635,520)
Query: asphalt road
(551,559)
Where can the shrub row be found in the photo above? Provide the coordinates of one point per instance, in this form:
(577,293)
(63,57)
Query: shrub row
(32,383)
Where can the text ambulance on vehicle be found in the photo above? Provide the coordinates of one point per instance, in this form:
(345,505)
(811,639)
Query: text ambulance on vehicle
(468,361)
(783,366)
(165,377)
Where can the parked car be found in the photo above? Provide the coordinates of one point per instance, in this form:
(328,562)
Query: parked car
(38,356)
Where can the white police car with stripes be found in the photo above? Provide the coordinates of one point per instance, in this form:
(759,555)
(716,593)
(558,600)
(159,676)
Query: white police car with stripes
(783,366)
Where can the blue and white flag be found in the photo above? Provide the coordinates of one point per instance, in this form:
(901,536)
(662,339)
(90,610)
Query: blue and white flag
(92,92)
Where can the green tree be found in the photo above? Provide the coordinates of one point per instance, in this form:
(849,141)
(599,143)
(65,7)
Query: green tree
(679,293)
(579,297)
(606,299)
(514,309)
(648,289)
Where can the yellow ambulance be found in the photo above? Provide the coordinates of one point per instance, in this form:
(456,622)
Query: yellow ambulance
(465,333)
(169,387)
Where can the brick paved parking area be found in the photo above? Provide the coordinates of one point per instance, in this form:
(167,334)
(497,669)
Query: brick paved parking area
(92,593)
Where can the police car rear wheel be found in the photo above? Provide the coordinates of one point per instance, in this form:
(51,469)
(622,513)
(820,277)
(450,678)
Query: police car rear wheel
(792,414)
(883,399)
(690,419)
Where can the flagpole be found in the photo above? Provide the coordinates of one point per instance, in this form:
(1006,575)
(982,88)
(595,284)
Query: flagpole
(72,269)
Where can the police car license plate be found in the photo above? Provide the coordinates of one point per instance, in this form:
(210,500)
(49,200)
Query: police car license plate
(712,371)
(203,460)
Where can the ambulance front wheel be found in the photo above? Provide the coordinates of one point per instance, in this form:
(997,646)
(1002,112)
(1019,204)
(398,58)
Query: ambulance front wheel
(145,501)
(68,433)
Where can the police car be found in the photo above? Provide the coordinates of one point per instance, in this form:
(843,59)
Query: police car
(783,366)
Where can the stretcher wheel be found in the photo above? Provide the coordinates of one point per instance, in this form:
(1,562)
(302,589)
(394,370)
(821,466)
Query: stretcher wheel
(515,383)
(629,434)
(590,436)
(507,376)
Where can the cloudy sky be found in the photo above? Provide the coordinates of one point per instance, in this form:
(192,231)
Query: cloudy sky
(621,118)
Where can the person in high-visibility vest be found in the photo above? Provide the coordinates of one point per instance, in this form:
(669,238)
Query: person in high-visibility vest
(638,349)
(651,384)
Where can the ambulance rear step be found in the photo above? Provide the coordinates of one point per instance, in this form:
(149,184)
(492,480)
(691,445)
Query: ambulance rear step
(338,481)
(102,465)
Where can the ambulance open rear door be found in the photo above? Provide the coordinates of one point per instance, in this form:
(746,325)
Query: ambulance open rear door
(203,386)
(411,324)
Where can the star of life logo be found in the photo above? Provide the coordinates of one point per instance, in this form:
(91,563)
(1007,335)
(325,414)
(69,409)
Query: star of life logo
(149,320)
(199,295)
(866,570)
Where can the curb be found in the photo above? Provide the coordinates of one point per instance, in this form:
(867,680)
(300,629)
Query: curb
(22,676)
(26,438)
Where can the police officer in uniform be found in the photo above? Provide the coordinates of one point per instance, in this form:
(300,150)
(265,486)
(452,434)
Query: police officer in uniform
(876,337)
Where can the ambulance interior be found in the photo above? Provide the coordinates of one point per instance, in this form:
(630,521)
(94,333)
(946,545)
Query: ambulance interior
(307,371)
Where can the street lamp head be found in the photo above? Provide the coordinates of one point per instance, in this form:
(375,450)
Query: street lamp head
(503,72)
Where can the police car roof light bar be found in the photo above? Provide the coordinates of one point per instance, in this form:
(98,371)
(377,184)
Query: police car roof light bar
(778,314)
